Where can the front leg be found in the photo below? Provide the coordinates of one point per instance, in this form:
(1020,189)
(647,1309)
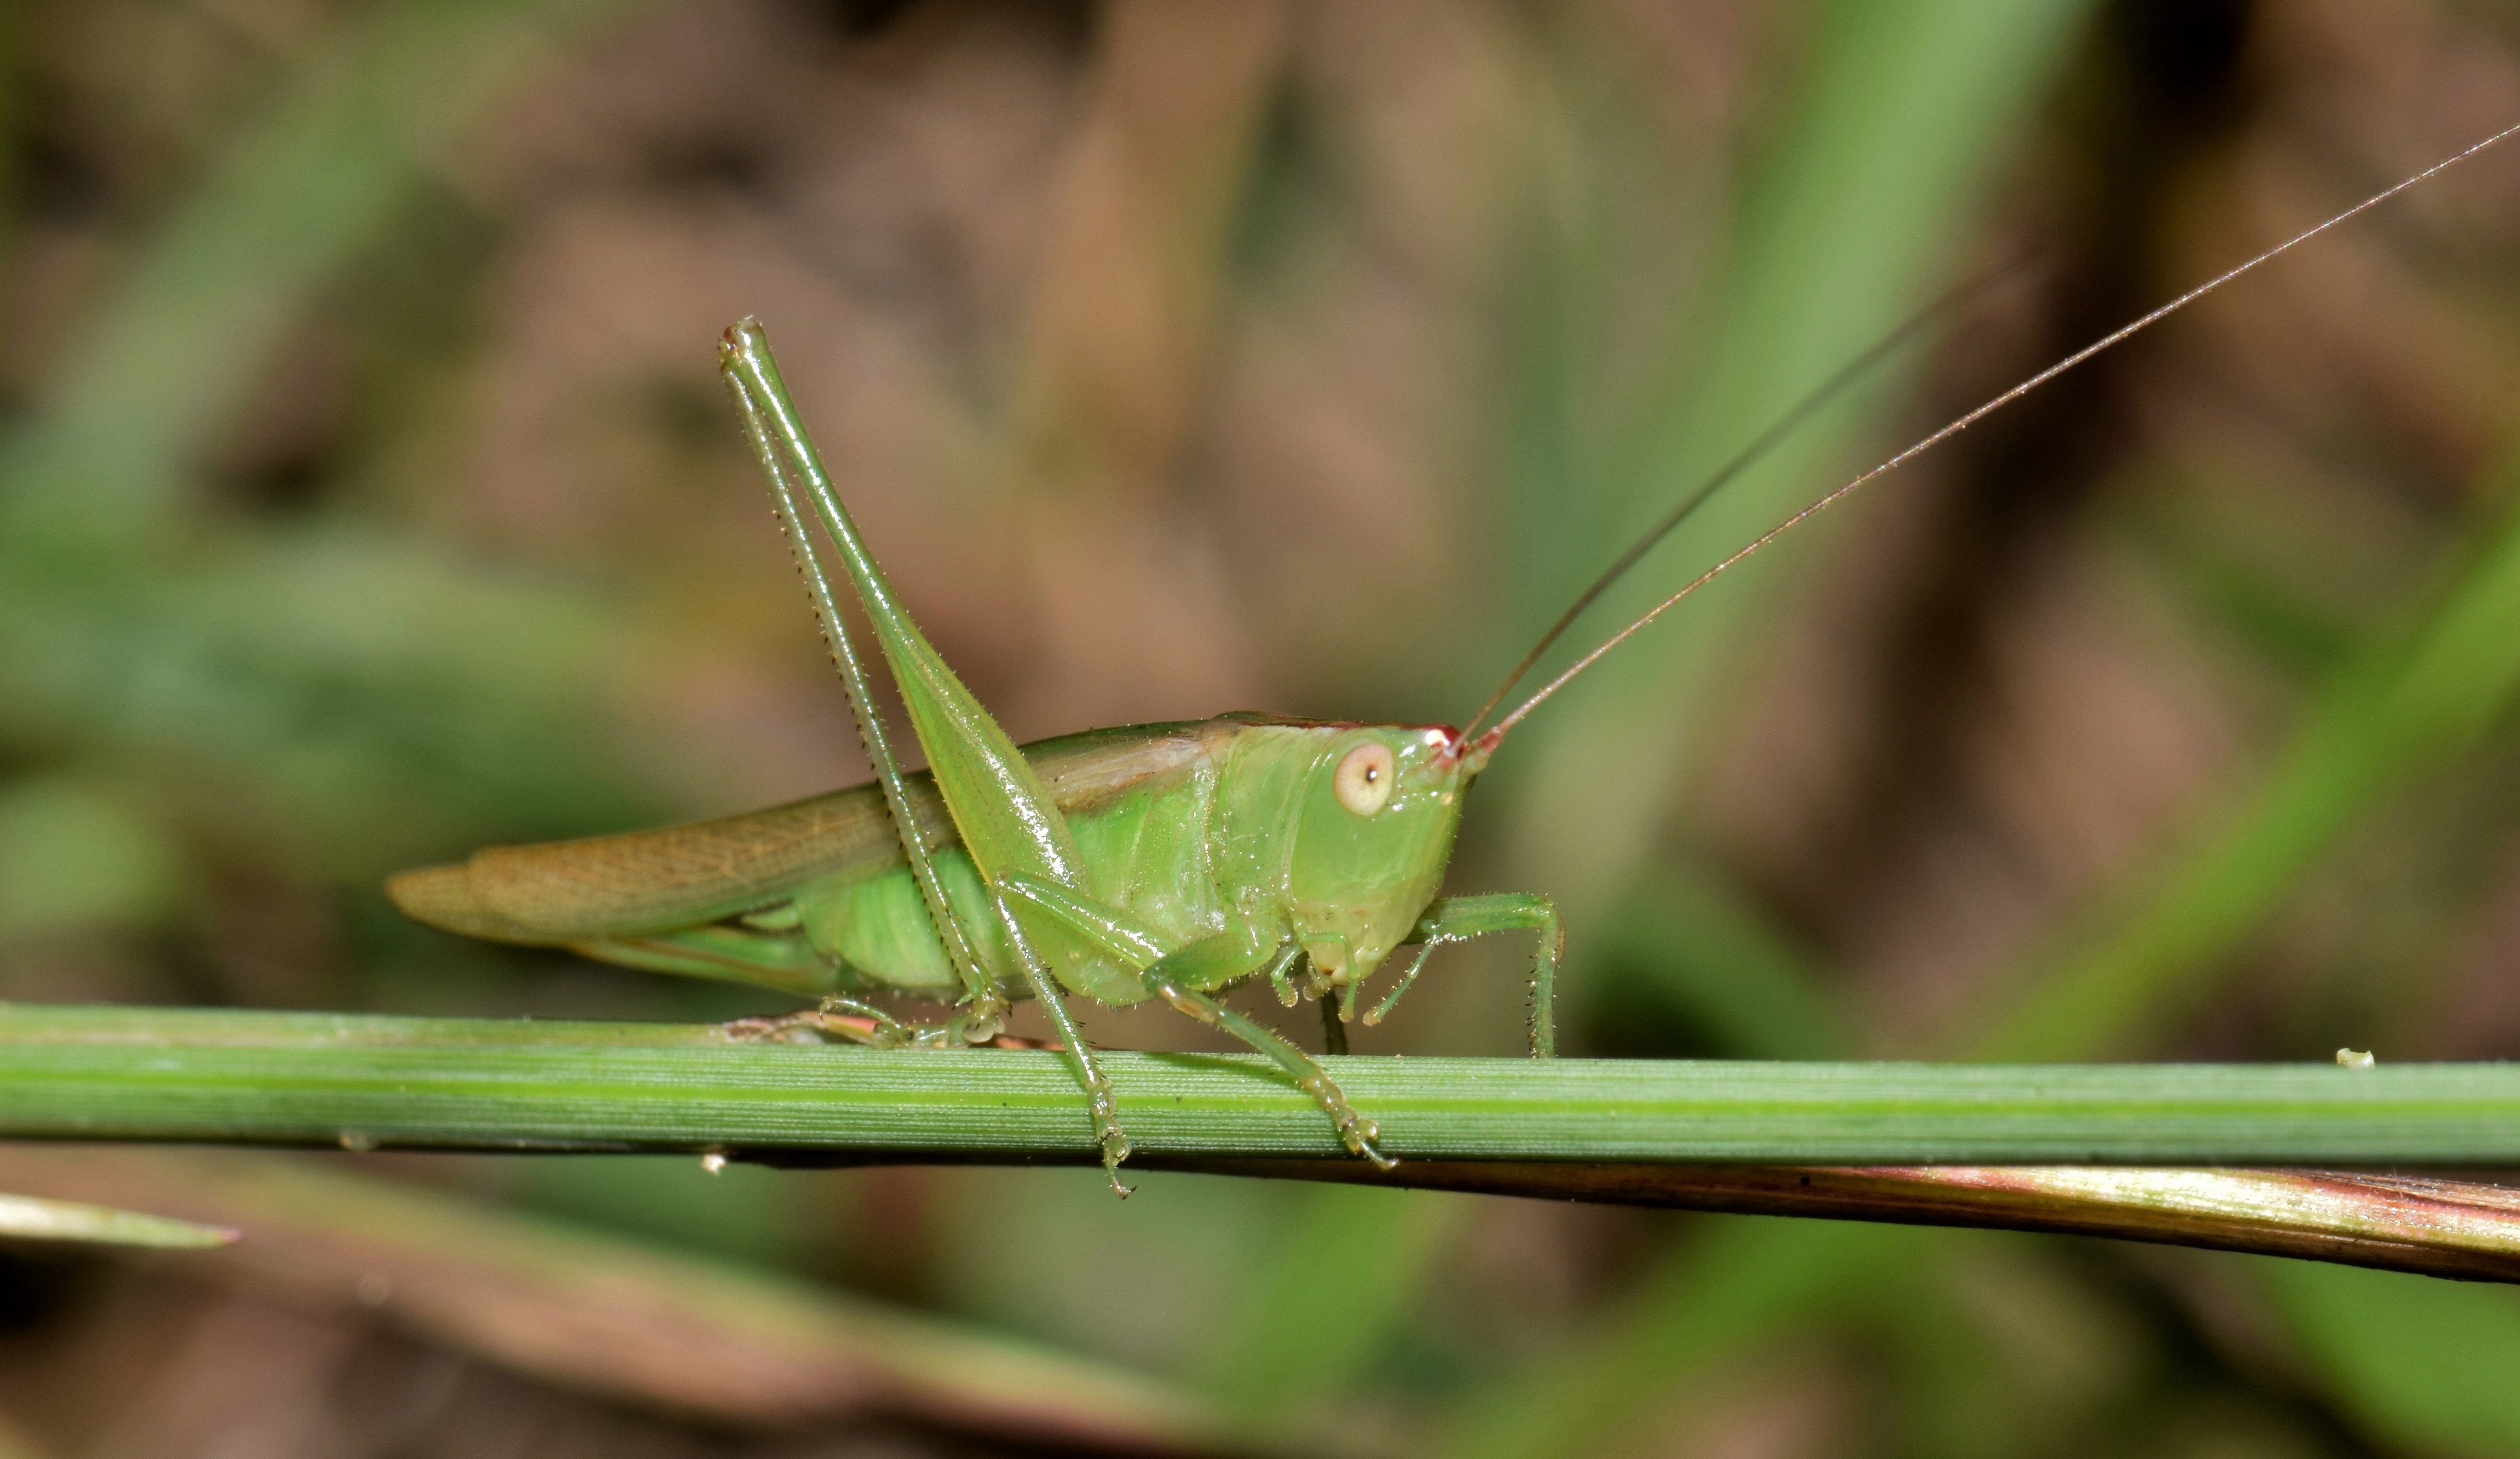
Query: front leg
(1455,919)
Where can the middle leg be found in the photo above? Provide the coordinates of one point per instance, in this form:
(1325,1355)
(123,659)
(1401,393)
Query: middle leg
(1178,978)
(1357,1132)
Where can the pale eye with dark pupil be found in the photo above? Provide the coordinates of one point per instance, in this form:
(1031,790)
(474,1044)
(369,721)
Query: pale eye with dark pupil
(1362,780)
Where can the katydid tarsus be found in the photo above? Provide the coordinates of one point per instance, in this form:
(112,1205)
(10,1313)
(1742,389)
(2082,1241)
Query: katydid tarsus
(1154,861)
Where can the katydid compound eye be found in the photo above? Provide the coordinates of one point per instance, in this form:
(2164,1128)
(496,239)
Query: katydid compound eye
(1365,776)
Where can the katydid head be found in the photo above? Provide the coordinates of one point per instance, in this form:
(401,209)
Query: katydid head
(1374,828)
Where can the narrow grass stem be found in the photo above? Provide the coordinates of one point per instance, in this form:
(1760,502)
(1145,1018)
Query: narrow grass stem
(256,1078)
(2103,1149)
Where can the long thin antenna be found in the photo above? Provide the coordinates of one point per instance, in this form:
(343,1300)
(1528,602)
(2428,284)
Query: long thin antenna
(1487,742)
(1743,459)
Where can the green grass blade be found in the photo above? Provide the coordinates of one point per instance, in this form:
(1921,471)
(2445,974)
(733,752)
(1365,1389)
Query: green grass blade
(2409,705)
(1903,110)
(158,1073)
(1782,1138)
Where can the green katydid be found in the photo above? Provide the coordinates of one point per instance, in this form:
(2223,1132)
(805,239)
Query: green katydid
(1154,861)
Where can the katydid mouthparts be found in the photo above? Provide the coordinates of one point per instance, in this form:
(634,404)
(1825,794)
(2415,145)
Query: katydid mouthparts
(1154,861)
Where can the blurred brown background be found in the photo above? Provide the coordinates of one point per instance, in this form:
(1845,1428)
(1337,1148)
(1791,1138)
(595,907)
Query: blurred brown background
(367,495)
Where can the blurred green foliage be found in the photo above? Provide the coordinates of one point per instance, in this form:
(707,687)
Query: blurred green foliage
(363,498)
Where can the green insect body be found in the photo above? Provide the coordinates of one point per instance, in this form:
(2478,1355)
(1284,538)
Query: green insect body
(1159,862)
(1196,830)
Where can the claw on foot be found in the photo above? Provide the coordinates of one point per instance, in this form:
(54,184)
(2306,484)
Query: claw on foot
(1110,1138)
(981,1022)
(1355,1131)
(1115,1149)
(1359,1135)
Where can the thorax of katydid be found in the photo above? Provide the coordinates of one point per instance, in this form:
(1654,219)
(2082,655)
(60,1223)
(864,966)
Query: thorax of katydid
(1336,835)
